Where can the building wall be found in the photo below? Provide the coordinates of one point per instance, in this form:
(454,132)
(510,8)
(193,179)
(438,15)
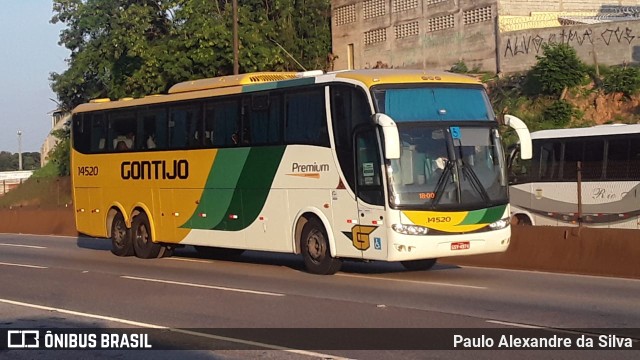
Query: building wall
(525,7)
(435,34)
(610,43)
(58,122)
(414,33)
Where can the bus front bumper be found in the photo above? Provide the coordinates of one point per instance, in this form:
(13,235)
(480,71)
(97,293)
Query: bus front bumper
(412,247)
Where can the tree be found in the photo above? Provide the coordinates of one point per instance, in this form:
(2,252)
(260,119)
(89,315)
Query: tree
(109,40)
(60,155)
(122,48)
(557,69)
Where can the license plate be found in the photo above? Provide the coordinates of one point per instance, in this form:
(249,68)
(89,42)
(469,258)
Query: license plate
(462,245)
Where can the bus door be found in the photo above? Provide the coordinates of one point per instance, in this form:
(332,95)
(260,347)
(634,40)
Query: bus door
(368,236)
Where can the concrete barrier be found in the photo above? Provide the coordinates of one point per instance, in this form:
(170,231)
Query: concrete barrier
(603,252)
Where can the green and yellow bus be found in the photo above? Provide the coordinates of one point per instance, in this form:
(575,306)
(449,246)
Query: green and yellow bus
(391,165)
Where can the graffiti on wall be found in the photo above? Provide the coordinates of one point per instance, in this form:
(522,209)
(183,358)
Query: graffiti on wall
(532,44)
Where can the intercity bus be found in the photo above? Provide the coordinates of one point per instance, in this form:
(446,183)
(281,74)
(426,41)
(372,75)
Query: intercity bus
(544,191)
(391,165)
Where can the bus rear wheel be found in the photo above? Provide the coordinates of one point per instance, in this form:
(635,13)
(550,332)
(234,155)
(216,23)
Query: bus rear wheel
(143,244)
(121,244)
(417,265)
(315,249)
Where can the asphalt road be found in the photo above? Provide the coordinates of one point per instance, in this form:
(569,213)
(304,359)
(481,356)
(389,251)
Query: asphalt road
(68,282)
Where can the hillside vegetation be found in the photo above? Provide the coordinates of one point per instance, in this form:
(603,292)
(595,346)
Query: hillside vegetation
(561,91)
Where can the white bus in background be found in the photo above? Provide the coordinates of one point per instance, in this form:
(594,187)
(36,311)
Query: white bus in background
(544,190)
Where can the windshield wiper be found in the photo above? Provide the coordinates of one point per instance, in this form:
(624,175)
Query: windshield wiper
(475,182)
(442,182)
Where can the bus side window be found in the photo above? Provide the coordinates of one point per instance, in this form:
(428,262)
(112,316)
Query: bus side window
(305,118)
(222,120)
(264,119)
(98,133)
(183,127)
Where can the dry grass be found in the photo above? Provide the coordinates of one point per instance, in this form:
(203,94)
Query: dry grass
(49,192)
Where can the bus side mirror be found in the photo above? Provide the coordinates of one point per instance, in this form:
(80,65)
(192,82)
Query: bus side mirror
(391,136)
(526,148)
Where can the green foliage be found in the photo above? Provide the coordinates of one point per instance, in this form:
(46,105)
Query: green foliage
(559,113)
(122,48)
(60,156)
(624,79)
(11,162)
(459,67)
(558,68)
(47,171)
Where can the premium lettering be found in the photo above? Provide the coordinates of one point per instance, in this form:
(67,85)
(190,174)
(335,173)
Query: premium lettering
(154,170)
(304,168)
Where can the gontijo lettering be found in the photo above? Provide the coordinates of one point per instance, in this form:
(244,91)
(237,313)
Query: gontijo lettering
(156,170)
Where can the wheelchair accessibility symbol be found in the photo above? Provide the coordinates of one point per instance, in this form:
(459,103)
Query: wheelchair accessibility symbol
(377,243)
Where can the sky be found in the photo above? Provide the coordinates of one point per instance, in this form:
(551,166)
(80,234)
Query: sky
(29,52)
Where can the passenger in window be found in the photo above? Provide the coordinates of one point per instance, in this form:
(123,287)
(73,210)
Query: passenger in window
(245,137)
(151,142)
(123,143)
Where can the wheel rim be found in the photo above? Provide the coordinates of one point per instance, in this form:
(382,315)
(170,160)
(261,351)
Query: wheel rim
(119,233)
(316,246)
(142,235)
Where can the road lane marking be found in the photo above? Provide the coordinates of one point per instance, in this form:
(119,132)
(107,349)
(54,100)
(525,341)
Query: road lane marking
(414,281)
(203,286)
(190,260)
(182,331)
(525,326)
(24,265)
(24,246)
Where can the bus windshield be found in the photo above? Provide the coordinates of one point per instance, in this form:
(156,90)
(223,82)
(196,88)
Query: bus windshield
(429,103)
(451,156)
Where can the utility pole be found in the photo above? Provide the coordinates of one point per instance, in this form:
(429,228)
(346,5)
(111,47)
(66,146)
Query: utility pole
(236,45)
(20,150)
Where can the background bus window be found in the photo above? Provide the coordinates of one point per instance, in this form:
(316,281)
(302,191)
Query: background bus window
(183,127)
(572,154)
(265,115)
(549,161)
(305,118)
(221,123)
(593,160)
(634,160)
(617,159)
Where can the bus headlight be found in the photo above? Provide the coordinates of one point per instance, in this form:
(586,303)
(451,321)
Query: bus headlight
(410,229)
(500,224)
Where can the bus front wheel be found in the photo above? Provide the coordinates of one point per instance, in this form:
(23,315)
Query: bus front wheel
(315,249)
(121,244)
(417,265)
(143,244)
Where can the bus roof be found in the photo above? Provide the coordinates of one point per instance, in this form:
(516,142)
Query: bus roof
(372,77)
(234,84)
(600,130)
